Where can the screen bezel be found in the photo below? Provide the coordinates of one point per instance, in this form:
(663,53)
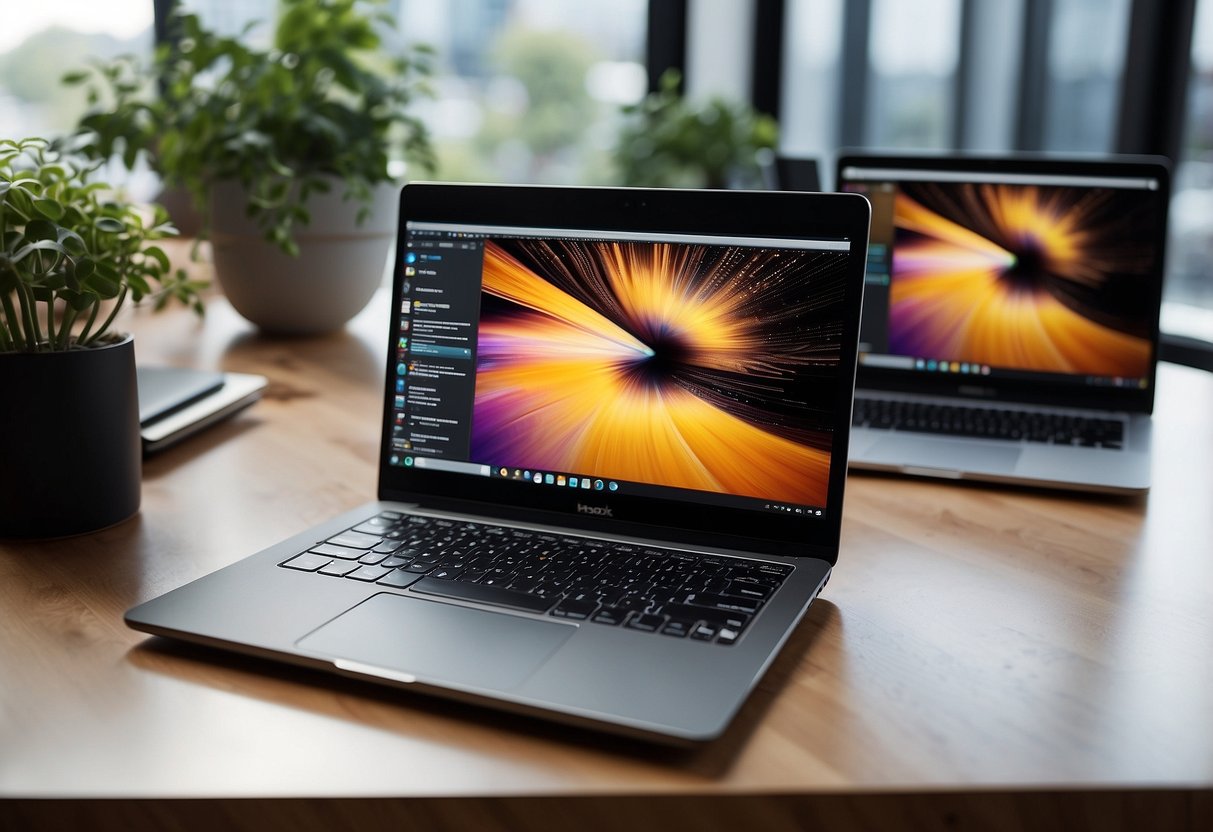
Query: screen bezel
(727,213)
(1043,391)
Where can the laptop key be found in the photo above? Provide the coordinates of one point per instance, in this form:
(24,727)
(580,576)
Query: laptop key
(720,618)
(576,610)
(727,636)
(496,596)
(307,562)
(609,615)
(339,568)
(368,573)
(343,552)
(704,632)
(645,623)
(677,627)
(720,602)
(399,579)
(749,590)
(356,540)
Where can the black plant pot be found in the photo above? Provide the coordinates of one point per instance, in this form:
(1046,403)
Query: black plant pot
(69,440)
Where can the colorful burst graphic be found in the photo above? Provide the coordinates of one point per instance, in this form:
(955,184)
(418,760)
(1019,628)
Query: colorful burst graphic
(702,367)
(1052,279)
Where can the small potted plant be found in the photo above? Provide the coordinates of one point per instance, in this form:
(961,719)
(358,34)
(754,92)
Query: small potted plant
(668,141)
(71,255)
(288,145)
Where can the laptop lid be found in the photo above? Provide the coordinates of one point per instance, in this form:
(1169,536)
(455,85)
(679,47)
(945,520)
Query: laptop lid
(1023,279)
(677,363)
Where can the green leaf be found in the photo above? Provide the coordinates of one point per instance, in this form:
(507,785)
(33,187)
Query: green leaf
(109,224)
(41,230)
(72,242)
(41,245)
(157,254)
(20,202)
(48,208)
(104,287)
(138,285)
(80,300)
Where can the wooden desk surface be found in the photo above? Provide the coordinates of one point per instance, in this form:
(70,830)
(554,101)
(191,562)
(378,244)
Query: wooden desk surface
(978,650)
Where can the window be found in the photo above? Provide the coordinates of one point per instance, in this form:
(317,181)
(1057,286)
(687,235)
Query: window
(1086,55)
(1189,290)
(913,50)
(42,40)
(528,90)
(230,17)
(812,78)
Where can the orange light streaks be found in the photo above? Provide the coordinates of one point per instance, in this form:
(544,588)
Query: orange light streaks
(557,382)
(950,298)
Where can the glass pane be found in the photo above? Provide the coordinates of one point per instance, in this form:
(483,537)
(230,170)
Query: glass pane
(529,90)
(1086,57)
(811,77)
(229,17)
(913,52)
(42,40)
(1190,252)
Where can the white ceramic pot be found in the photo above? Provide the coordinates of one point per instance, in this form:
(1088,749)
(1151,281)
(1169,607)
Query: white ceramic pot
(340,262)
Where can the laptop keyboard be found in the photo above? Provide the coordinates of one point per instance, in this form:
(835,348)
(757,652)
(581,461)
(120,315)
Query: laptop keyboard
(646,589)
(989,423)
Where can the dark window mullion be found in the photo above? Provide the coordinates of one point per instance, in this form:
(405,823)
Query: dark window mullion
(856,73)
(1033,75)
(1154,83)
(767,68)
(962,82)
(666,40)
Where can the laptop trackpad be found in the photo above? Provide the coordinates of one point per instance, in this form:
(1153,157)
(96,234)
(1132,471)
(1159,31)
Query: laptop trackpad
(437,642)
(920,452)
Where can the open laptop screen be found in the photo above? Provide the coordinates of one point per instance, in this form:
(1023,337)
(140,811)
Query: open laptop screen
(1048,277)
(678,366)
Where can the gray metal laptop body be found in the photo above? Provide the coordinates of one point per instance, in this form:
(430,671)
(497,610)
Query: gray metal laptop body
(1010,324)
(555,368)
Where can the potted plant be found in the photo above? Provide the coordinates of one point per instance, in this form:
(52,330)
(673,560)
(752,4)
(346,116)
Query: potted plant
(668,141)
(71,255)
(289,144)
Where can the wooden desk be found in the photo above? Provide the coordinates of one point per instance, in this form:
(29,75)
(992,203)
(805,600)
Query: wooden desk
(984,658)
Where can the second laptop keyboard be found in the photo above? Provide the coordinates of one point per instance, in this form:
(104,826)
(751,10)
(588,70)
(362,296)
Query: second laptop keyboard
(989,422)
(649,589)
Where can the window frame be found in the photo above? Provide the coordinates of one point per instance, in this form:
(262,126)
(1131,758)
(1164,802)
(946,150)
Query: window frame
(1159,49)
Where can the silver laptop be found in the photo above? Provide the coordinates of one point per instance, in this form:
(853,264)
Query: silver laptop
(1010,322)
(611,476)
